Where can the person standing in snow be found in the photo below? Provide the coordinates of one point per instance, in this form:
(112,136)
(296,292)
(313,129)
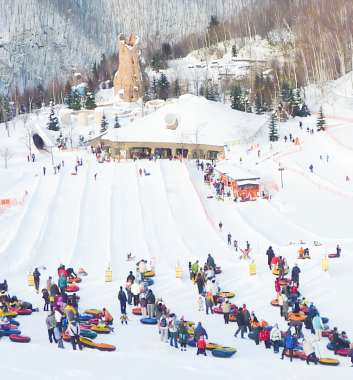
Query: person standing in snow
(285,138)
(143,269)
(229,239)
(309,351)
(226,310)
(50,321)
(220,226)
(318,326)
(74,331)
(201,346)
(295,274)
(210,261)
(140,171)
(153,264)
(95,177)
(44,170)
(289,343)
(327,157)
(76,168)
(208,302)
(214,291)
(183,335)
(241,323)
(275,338)
(151,300)
(62,162)
(143,303)
(235,245)
(122,299)
(62,282)
(135,290)
(128,291)
(200,283)
(54,169)
(28,158)
(300,125)
(246,318)
(58,337)
(270,255)
(311,167)
(280,268)
(199,331)
(36,276)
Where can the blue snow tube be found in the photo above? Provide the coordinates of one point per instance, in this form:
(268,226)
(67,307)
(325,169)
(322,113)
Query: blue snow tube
(251,336)
(329,346)
(222,354)
(85,317)
(191,343)
(268,328)
(88,334)
(10,332)
(149,281)
(324,320)
(148,321)
(13,322)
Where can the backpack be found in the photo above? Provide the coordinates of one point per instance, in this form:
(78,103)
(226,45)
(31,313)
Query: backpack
(163,322)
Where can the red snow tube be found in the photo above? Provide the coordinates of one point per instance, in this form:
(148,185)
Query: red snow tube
(343,351)
(327,333)
(332,255)
(330,337)
(304,357)
(71,289)
(218,310)
(85,326)
(76,279)
(284,281)
(20,311)
(305,310)
(283,334)
(218,271)
(137,311)
(94,321)
(274,303)
(19,338)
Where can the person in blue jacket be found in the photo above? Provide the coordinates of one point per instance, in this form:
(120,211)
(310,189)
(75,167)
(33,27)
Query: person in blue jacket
(199,331)
(289,344)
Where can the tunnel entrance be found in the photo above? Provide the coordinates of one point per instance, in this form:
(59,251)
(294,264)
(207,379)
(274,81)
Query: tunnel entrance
(38,142)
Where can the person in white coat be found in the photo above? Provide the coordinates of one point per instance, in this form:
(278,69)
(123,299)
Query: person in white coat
(173,330)
(153,263)
(214,291)
(163,323)
(309,351)
(275,338)
(135,290)
(74,331)
(143,269)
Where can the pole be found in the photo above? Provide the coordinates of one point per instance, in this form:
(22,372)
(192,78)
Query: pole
(281,179)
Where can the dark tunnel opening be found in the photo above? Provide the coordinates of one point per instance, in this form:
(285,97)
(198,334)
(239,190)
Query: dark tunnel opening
(38,142)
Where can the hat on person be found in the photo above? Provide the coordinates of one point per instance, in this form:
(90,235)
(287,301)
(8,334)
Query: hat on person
(143,291)
(121,287)
(252,313)
(226,300)
(182,318)
(50,312)
(244,305)
(50,277)
(295,264)
(131,272)
(163,307)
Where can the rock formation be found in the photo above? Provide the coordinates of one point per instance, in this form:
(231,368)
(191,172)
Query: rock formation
(128,81)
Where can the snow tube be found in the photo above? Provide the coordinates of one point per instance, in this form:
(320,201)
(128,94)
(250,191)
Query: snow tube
(218,271)
(10,332)
(94,312)
(100,330)
(284,281)
(9,314)
(232,318)
(66,338)
(330,337)
(332,255)
(226,294)
(191,343)
(84,326)
(276,272)
(94,321)
(211,196)
(87,343)
(296,354)
(189,323)
(21,311)
(149,274)
(13,322)
(88,334)
(71,289)
(105,347)
(222,354)
(76,279)
(274,303)
(305,310)
(283,334)
(149,281)
(332,362)
(343,351)
(148,321)
(324,320)
(73,173)
(137,311)
(83,317)
(251,336)
(191,332)
(281,343)
(302,356)
(329,346)
(147,173)
(218,310)
(234,350)
(211,346)
(326,333)
(296,316)
(19,338)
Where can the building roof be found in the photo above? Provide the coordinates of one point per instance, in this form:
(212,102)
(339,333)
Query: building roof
(236,173)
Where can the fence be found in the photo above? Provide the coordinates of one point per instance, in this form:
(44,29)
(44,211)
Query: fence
(206,211)
(5,204)
(335,138)
(269,185)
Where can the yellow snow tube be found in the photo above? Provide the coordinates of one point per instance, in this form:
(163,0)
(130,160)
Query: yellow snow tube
(276,271)
(9,314)
(226,294)
(191,332)
(87,342)
(212,346)
(333,362)
(100,330)
(93,311)
(226,349)
(190,323)
(149,274)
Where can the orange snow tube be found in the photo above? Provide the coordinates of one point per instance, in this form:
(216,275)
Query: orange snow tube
(274,303)
(232,318)
(104,347)
(296,316)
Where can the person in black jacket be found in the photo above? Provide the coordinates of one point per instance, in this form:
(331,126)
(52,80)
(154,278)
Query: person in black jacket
(4,286)
(122,299)
(199,331)
(36,276)
(256,331)
(74,302)
(270,255)
(200,283)
(210,261)
(241,323)
(65,297)
(54,290)
(295,274)
(130,277)
(151,300)
(335,340)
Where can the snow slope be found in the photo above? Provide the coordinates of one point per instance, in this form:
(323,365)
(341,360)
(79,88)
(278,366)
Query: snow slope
(82,222)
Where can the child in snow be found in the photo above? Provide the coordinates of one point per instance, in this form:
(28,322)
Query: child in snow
(124,318)
(58,337)
(201,346)
(46,299)
(200,304)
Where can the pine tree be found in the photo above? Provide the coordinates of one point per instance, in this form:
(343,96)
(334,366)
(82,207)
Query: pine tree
(104,124)
(273,134)
(53,123)
(68,94)
(61,141)
(321,122)
(90,103)
(76,102)
(95,76)
(202,90)
(258,104)
(163,87)
(40,94)
(116,123)
(237,98)
(154,88)
(176,88)
(234,51)
(210,94)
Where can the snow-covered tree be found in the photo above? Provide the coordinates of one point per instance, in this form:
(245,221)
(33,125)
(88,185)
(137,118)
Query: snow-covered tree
(116,122)
(61,141)
(76,101)
(154,88)
(163,87)
(259,109)
(273,133)
(321,122)
(234,51)
(90,103)
(176,89)
(237,97)
(104,124)
(53,123)
(68,94)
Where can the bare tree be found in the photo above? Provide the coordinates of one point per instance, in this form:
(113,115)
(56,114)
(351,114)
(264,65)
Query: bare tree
(6,153)
(118,137)
(196,133)
(26,139)
(14,120)
(182,139)
(25,118)
(71,133)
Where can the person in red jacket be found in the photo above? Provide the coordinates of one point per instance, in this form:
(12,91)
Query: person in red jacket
(63,270)
(274,262)
(277,288)
(265,336)
(201,346)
